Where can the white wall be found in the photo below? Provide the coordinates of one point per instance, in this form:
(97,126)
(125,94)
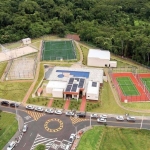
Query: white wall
(97,62)
(49,90)
(113,64)
(92,96)
(57,93)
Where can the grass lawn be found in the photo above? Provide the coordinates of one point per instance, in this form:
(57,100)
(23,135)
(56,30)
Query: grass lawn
(146,82)
(2,68)
(8,126)
(127,86)
(38,101)
(85,54)
(115,139)
(14,90)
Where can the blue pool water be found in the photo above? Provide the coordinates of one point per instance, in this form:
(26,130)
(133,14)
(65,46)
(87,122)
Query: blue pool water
(75,73)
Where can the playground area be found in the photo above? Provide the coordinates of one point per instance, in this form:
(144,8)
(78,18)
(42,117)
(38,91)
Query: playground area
(129,87)
(21,68)
(58,50)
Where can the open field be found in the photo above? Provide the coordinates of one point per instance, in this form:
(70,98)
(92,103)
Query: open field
(115,139)
(127,86)
(14,90)
(2,68)
(57,50)
(8,126)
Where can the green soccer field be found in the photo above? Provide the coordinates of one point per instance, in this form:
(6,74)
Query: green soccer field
(146,82)
(127,86)
(58,50)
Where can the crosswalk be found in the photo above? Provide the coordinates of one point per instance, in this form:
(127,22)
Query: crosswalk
(35,115)
(75,120)
(50,144)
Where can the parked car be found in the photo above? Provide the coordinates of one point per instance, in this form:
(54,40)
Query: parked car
(101,120)
(11,145)
(58,112)
(81,115)
(49,111)
(120,118)
(38,109)
(68,146)
(70,113)
(131,119)
(94,115)
(30,107)
(5,103)
(14,105)
(103,116)
(25,127)
(72,138)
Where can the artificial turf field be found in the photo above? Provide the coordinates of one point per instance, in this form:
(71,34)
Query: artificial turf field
(146,82)
(127,86)
(57,50)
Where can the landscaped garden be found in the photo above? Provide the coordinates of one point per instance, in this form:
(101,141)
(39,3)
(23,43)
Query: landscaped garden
(74,104)
(8,127)
(110,138)
(58,103)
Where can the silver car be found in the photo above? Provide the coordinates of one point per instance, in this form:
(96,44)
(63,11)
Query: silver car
(94,115)
(25,127)
(120,118)
(58,112)
(39,109)
(30,107)
(101,120)
(103,116)
(49,111)
(69,113)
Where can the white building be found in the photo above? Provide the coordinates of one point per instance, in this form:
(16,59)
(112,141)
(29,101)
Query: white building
(56,88)
(99,58)
(26,41)
(92,92)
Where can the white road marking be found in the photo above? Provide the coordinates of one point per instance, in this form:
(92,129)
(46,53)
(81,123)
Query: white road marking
(24,145)
(141,122)
(30,134)
(29,121)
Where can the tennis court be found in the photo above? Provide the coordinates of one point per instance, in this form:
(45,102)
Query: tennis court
(58,50)
(127,86)
(146,83)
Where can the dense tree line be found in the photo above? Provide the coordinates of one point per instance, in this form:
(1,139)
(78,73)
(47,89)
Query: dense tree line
(121,26)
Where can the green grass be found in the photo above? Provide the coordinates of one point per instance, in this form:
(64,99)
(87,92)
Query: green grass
(146,82)
(54,49)
(2,68)
(58,103)
(8,126)
(41,101)
(14,90)
(74,104)
(91,105)
(127,86)
(85,54)
(114,139)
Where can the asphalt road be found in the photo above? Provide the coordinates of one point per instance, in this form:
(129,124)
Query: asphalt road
(54,130)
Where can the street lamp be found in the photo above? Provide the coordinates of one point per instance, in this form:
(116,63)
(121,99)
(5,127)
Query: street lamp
(17,117)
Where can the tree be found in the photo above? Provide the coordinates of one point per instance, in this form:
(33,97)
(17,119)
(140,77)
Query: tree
(40,147)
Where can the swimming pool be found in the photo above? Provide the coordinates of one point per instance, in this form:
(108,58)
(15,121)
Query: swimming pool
(75,73)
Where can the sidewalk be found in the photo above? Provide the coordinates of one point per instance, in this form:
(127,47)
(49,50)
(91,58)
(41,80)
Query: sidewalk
(83,104)
(50,102)
(67,103)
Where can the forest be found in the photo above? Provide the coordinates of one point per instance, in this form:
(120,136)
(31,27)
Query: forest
(121,26)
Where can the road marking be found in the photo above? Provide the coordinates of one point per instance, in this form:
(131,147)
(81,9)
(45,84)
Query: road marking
(141,122)
(30,134)
(35,115)
(75,120)
(24,145)
(27,117)
(29,121)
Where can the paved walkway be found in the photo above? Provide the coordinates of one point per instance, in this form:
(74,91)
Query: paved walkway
(83,104)
(67,103)
(50,102)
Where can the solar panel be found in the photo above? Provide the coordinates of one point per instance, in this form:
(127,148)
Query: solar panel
(74,87)
(68,88)
(81,83)
(71,80)
(77,79)
(94,84)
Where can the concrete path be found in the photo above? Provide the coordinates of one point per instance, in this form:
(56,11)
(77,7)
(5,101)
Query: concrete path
(50,102)
(83,104)
(67,103)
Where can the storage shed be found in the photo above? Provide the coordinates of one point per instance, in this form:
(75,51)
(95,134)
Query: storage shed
(92,92)
(26,41)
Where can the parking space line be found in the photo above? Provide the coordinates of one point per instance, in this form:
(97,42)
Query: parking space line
(29,121)
(24,145)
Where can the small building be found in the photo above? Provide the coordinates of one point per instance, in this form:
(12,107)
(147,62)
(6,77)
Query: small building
(26,41)
(99,58)
(56,88)
(113,64)
(92,92)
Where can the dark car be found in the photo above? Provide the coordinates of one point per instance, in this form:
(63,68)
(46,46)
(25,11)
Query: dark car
(131,119)
(14,105)
(5,103)
(83,115)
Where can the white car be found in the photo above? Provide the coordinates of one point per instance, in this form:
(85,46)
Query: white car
(72,138)
(94,115)
(58,112)
(49,111)
(69,113)
(101,120)
(25,127)
(30,107)
(11,145)
(39,109)
(120,118)
(103,116)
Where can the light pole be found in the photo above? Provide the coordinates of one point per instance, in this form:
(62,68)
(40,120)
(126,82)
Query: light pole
(90,120)
(75,130)
(17,117)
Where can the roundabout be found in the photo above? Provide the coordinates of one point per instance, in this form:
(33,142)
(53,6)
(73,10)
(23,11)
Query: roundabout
(53,125)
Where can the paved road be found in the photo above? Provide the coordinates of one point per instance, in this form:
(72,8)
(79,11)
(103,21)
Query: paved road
(54,130)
